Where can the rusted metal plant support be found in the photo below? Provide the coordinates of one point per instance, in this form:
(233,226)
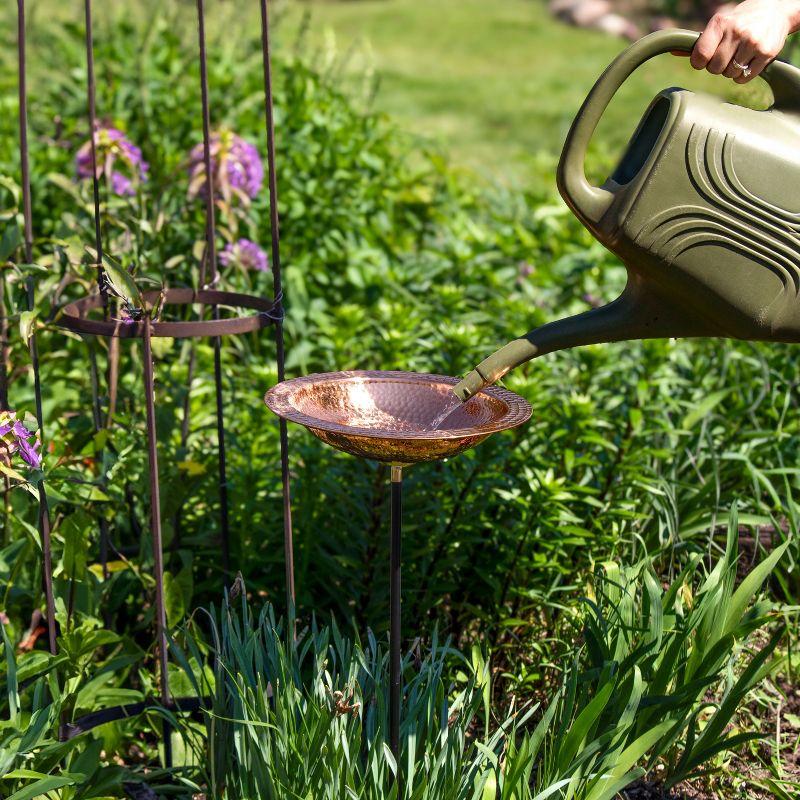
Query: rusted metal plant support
(155,532)
(395,615)
(277,290)
(44,511)
(77,317)
(91,108)
(209,279)
(92,316)
(91,104)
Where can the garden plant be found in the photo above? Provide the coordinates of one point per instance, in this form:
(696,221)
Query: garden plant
(601,603)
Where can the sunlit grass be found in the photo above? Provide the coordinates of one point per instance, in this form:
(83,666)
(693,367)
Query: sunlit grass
(496,83)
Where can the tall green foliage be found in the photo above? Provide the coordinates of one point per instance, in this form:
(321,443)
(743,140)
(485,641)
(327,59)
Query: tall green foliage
(660,675)
(655,678)
(391,260)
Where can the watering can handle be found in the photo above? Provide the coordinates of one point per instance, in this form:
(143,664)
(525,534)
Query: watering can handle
(591,202)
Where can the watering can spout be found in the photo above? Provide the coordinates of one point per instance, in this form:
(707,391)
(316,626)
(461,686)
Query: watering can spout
(638,313)
(702,210)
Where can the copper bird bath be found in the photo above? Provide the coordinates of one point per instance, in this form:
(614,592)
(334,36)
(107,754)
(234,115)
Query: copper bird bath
(385,416)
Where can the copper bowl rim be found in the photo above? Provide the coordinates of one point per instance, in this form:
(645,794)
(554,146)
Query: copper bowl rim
(277,400)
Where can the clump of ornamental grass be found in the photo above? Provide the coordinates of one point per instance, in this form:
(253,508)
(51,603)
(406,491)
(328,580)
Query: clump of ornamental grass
(654,679)
(308,716)
(656,684)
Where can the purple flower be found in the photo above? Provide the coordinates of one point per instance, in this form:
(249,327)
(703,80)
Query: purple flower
(114,151)
(245,254)
(29,453)
(125,316)
(15,437)
(20,431)
(121,185)
(525,269)
(235,165)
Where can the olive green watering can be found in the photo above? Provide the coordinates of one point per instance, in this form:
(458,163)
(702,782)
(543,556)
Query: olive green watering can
(703,210)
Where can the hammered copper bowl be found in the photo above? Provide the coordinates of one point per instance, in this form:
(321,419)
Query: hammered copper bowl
(383,415)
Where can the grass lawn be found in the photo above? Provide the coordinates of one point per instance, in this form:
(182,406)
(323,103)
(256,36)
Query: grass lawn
(497,82)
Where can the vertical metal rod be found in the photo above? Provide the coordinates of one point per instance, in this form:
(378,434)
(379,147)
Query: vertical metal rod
(211,261)
(98,426)
(98,242)
(177,520)
(211,245)
(395,618)
(44,511)
(4,351)
(221,457)
(277,288)
(155,528)
(90,96)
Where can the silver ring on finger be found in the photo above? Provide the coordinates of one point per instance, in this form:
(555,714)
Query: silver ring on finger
(745,68)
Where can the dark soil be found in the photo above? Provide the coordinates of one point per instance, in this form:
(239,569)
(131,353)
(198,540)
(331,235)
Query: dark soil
(754,543)
(782,714)
(644,790)
(653,791)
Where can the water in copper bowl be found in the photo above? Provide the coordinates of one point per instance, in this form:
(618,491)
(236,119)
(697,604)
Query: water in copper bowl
(386,416)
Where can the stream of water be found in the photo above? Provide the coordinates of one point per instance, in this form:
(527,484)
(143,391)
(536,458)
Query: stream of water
(452,405)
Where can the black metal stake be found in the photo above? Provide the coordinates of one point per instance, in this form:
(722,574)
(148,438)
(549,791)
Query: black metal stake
(44,511)
(92,111)
(155,528)
(395,619)
(98,243)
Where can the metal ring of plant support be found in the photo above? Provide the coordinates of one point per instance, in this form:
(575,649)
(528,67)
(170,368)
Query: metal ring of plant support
(76,317)
(186,705)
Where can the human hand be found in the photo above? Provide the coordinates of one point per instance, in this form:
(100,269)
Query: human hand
(740,42)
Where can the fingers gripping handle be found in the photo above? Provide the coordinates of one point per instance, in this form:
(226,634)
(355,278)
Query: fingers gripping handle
(591,202)
(587,201)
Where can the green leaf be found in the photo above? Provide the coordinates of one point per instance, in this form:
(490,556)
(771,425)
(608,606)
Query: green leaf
(43,786)
(610,787)
(584,722)
(76,545)
(11,472)
(748,588)
(10,241)
(178,591)
(27,324)
(489,787)
(704,407)
(121,281)
(12,690)
(64,183)
(627,759)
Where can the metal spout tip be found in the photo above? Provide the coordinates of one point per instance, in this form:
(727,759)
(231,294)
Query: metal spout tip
(470,386)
